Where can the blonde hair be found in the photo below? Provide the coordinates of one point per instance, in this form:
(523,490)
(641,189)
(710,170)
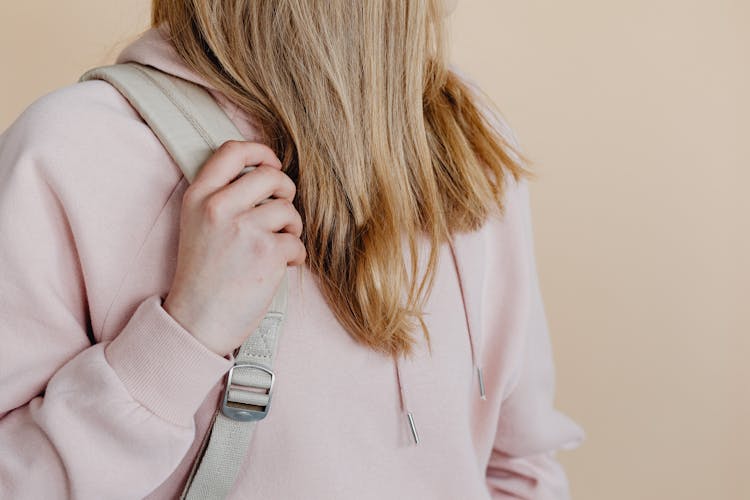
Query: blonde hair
(381,138)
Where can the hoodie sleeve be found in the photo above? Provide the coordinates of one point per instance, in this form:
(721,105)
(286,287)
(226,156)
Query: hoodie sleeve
(79,418)
(530,429)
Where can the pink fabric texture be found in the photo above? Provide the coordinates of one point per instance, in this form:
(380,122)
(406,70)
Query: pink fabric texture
(104,395)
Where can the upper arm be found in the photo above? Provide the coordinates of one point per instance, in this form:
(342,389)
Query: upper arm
(43,311)
(530,429)
(70,229)
(79,195)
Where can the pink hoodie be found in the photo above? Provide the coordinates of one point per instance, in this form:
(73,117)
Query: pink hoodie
(103,395)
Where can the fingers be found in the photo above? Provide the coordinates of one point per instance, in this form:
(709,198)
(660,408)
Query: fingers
(255,186)
(292,249)
(227,162)
(244,179)
(277,215)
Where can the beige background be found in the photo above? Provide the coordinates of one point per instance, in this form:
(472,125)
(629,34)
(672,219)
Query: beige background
(636,114)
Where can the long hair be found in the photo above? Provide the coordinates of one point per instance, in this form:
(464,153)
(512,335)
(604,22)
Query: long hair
(385,143)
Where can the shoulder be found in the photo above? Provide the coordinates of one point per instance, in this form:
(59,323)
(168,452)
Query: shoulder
(72,111)
(91,180)
(515,193)
(82,156)
(86,134)
(92,154)
(489,110)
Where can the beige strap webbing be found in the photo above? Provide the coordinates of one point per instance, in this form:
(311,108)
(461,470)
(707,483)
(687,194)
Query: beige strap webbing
(191,126)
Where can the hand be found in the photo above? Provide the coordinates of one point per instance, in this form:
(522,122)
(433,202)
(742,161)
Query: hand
(235,245)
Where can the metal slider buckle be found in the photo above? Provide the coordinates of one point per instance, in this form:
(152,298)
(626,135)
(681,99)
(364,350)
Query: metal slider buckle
(245,412)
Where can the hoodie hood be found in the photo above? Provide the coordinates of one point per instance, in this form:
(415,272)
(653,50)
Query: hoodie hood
(153,48)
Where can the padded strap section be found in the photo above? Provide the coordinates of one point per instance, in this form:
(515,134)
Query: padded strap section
(183,115)
(191,126)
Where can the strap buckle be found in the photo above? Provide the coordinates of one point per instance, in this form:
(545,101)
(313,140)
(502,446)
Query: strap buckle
(248,398)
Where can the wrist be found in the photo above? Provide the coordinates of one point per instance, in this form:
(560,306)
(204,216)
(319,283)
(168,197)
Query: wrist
(178,313)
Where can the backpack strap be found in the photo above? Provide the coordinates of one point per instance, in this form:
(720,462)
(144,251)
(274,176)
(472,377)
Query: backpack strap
(191,126)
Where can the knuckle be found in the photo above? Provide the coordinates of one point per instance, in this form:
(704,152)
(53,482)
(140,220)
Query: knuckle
(190,196)
(297,217)
(245,227)
(268,171)
(261,174)
(301,253)
(287,205)
(263,148)
(241,226)
(231,146)
(262,247)
(291,185)
(213,209)
(286,208)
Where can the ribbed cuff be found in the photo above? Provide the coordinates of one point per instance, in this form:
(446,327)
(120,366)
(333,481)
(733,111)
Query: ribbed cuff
(162,365)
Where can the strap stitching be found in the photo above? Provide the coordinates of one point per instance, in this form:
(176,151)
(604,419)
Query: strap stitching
(189,114)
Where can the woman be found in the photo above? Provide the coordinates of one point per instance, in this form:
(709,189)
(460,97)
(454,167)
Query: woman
(400,211)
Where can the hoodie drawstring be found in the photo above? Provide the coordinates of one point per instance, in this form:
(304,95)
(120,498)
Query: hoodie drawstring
(472,339)
(404,399)
(403,390)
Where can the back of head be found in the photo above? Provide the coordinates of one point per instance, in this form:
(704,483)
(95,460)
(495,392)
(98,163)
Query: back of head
(384,142)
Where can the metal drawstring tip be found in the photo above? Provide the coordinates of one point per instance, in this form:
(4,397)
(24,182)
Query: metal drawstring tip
(482,393)
(413,428)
